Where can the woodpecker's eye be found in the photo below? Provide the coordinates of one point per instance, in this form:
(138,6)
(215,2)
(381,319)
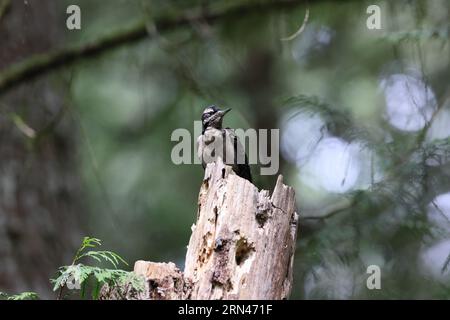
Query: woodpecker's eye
(207,115)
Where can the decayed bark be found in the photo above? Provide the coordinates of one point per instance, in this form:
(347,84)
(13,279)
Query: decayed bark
(242,245)
(163,281)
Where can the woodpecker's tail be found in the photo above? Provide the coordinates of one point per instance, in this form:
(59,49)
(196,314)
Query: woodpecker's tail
(243,170)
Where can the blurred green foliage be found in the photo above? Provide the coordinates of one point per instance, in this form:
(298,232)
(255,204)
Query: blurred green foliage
(128,101)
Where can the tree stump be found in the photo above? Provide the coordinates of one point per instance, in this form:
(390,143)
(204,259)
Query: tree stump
(242,244)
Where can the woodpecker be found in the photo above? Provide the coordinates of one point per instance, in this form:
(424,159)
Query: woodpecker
(217,142)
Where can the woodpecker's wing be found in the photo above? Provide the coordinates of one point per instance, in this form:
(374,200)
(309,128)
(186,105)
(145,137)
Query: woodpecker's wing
(240,160)
(199,147)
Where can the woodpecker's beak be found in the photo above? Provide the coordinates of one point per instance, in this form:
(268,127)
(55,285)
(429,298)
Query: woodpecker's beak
(224,112)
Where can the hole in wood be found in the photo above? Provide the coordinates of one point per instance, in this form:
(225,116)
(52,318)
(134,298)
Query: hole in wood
(243,251)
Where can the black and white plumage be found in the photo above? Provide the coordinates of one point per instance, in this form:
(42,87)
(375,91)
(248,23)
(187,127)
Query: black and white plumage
(216,141)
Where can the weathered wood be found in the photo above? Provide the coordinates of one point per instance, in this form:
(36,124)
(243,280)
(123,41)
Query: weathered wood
(164,281)
(242,244)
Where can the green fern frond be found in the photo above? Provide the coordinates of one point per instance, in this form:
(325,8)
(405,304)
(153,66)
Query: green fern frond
(107,256)
(21,296)
(81,275)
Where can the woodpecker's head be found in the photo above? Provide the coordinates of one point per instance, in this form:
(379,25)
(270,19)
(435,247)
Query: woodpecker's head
(212,117)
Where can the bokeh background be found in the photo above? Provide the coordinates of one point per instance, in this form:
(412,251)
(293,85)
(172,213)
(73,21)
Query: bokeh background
(364,119)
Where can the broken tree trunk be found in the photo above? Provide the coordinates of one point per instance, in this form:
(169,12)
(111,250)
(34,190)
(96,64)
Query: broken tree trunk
(242,244)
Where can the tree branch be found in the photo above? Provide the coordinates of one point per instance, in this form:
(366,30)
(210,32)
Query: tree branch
(43,63)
